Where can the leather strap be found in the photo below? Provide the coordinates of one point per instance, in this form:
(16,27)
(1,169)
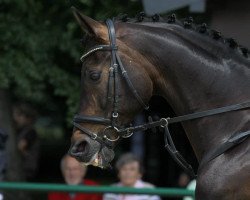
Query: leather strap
(114,65)
(162,122)
(233,141)
(130,84)
(91,119)
(177,157)
(211,112)
(183,118)
(94,136)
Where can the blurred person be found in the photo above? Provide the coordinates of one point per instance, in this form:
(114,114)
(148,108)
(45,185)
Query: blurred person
(130,172)
(27,140)
(183,180)
(73,173)
(191,186)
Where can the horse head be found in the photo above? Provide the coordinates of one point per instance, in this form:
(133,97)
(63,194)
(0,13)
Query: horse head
(115,86)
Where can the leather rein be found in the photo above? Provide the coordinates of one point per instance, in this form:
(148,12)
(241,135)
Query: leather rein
(120,132)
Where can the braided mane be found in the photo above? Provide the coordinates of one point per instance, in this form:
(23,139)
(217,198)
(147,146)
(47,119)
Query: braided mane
(187,23)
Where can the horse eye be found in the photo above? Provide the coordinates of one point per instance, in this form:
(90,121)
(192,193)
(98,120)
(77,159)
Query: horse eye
(94,76)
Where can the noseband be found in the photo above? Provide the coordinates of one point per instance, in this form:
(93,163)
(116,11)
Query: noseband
(113,89)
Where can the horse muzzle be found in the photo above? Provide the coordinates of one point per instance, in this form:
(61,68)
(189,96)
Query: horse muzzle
(91,152)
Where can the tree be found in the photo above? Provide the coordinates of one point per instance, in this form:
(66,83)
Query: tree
(40,51)
(40,48)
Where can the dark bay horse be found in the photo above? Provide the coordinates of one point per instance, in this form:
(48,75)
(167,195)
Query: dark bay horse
(193,68)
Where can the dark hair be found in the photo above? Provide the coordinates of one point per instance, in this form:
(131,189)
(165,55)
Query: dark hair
(126,159)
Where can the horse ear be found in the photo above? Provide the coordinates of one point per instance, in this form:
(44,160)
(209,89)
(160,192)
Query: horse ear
(90,26)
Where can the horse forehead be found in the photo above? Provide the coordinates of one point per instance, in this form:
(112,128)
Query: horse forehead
(94,63)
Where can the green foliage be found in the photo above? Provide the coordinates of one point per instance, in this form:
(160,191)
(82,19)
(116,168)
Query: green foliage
(40,49)
(32,44)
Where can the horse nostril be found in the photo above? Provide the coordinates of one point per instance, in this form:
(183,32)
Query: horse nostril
(79,149)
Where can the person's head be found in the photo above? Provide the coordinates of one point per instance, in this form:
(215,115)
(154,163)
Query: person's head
(73,172)
(129,169)
(24,115)
(183,180)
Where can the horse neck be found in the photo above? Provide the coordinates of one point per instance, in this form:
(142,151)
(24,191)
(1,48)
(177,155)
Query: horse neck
(192,78)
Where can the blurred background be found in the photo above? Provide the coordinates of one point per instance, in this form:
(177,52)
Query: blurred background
(40,47)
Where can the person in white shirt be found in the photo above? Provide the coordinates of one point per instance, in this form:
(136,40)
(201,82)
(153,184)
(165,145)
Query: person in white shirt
(191,186)
(130,173)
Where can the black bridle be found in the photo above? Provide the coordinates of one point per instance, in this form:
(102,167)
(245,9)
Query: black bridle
(113,94)
(121,132)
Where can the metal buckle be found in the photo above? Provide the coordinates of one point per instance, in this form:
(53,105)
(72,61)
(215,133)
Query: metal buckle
(115,115)
(123,72)
(166,122)
(105,136)
(128,134)
(111,69)
(95,136)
